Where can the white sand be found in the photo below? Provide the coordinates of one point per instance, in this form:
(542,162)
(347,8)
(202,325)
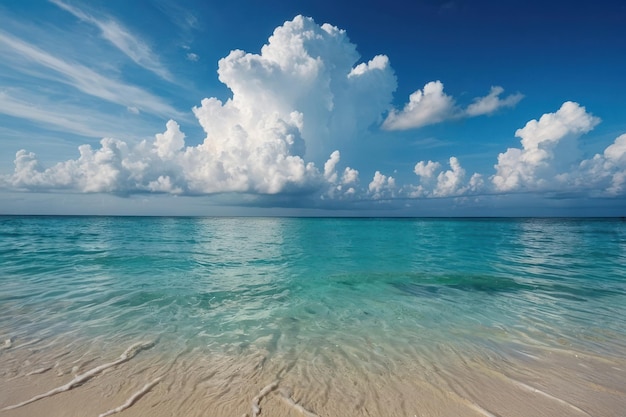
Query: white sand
(309,382)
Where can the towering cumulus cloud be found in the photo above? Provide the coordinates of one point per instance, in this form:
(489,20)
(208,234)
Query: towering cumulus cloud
(292,106)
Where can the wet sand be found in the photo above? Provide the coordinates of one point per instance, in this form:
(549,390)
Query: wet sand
(83,378)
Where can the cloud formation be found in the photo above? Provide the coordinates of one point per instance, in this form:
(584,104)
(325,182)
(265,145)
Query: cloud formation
(425,107)
(447,183)
(548,150)
(547,161)
(382,186)
(293,108)
(605,173)
(339,187)
(492,102)
(431,105)
(426,169)
(310,69)
(291,104)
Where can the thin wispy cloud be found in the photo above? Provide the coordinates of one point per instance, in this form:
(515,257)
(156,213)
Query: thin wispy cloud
(66,118)
(15,107)
(121,37)
(185,19)
(78,76)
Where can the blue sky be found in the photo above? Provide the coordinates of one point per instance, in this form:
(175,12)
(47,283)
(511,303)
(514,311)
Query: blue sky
(452,108)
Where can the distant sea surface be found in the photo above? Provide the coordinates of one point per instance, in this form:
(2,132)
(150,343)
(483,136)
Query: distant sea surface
(372,295)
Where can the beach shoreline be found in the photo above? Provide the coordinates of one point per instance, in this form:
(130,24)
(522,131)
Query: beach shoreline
(194,382)
(325,317)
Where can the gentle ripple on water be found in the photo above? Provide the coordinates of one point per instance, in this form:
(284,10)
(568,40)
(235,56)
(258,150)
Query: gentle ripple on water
(379,293)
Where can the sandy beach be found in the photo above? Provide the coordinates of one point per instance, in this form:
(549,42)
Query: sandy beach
(143,380)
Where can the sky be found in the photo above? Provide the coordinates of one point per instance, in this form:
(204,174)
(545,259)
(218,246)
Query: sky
(312,107)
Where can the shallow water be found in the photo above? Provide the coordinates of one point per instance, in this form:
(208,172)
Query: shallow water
(354,316)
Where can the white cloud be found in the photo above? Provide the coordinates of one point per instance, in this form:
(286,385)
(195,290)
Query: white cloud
(379,62)
(604,174)
(547,150)
(428,106)
(115,167)
(616,152)
(312,69)
(546,161)
(350,176)
(164,184)
(293,105)
(426,169)
(136,49)
(192,57)
(339,188)
(169,144)
(242,153)
(98,171)
(296,101)
(431,105)
(448,183)
(492,102)
(329,167)
(476,183)
(381,186)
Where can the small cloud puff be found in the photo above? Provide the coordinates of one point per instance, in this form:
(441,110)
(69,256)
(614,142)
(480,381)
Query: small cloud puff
(448,183)
(428,106)
(382,186)
(426,169)
(492,102)
(339,188)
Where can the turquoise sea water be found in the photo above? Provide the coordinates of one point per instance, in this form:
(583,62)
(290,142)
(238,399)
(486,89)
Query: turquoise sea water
(394,286)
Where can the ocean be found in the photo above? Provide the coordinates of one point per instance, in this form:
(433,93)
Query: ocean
(176,316)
